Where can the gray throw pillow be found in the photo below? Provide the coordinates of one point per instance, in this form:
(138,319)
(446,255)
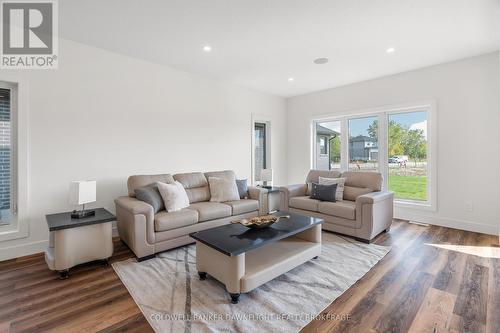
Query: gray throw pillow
(150,194)
(242,188)
(323,192)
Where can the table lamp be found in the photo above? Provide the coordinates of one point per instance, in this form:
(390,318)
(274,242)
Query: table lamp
(266,175)
(80,193)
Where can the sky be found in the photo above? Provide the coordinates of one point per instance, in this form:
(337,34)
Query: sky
(359,126)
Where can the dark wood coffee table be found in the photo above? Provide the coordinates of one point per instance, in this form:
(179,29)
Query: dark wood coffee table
(244,258)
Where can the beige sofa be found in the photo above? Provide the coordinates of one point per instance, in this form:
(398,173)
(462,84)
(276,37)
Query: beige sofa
(365,212)
(147,233)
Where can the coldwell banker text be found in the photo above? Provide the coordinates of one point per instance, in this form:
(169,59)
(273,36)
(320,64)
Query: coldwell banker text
(29,35)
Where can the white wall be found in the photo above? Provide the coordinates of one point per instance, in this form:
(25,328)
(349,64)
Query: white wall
(105,116)
(468,118)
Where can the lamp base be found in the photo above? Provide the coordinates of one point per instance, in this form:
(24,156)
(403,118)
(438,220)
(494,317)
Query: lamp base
(81,214)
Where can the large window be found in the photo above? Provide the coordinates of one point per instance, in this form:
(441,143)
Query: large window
(363,144)
(328,145)
(407,151)
(260,149)
(395,142)
(7,184)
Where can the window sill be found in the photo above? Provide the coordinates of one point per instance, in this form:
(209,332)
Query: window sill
(14,230)
(425,205)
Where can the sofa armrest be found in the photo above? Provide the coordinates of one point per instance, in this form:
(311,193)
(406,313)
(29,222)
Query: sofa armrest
(374,212)
(135,222)
(291,191)
(374,197)
(134,206)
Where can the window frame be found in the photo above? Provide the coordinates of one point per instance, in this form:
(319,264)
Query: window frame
(18,227)
(383,114)
(256,119)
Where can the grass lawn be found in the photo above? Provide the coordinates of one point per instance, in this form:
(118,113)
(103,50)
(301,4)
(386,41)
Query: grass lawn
(409,187)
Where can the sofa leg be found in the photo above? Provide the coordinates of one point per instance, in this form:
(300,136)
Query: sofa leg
(388,229)
(234,298)
(203,275)
(146,257)
(366,241)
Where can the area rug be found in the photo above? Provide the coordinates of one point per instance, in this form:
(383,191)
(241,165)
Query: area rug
(173,299)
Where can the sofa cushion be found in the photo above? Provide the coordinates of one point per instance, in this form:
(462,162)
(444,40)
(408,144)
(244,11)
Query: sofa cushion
(243,206)
(351,192)
(313,177)
(345,209)
(226,174)
(150,195)
(211,210)
(339,191)
(196,186)
(174,196)
(167,221)
(223,189)
(304,202)
(363,179)
(138,181)
(242,188)
(323,192)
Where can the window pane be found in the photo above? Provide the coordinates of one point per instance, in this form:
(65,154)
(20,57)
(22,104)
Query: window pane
(407,151)
(5,157)
(363,144)
(328,145)
(260,149)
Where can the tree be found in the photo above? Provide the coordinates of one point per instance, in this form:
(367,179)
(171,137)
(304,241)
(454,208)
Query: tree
(396,135)
(415,145)
(335,149)
(373,129)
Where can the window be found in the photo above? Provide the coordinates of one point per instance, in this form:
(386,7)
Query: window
(395,141)
(260,150)
(407,151)
(7,158)
(328,145)
(363,144)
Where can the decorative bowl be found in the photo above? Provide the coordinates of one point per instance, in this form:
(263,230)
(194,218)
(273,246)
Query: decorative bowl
(260,222)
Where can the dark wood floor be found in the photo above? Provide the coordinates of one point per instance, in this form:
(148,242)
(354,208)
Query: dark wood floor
(417,287)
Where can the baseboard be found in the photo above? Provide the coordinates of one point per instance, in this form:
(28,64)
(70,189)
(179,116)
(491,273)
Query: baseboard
(449,222)
(12,252)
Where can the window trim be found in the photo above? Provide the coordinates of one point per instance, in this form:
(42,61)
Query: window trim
(19,226)
(383,115)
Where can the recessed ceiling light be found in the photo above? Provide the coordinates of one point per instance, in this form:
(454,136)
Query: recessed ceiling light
(321,61)
(290,79)
(390,50)
(207,48)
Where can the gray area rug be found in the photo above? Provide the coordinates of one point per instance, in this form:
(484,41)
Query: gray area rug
(173,299)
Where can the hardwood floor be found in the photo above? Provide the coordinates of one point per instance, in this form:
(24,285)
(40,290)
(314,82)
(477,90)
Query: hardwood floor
(434,280)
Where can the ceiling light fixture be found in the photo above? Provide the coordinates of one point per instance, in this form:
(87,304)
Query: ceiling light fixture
(320,61)
(290,79)
(390,50)
(207,48)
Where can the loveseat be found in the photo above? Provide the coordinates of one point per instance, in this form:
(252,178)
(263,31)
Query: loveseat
(147,232)
(364,212)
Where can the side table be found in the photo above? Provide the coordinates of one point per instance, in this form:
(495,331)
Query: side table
(272,201)
(77,241)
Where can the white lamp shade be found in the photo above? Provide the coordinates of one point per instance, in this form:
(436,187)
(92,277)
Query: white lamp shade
(266,175)
(82,192)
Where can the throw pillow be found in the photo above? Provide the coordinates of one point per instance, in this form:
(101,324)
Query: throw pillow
(339,195)
(150,194)
(222,189)
(174,196)
(323,192)
(242,185)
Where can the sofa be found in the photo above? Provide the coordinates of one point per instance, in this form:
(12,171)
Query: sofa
(147,233)
(364,212)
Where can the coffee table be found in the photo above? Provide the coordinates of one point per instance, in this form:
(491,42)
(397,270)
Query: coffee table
(243,258)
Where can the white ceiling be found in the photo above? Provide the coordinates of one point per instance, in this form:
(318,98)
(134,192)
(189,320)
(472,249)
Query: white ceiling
(261,43)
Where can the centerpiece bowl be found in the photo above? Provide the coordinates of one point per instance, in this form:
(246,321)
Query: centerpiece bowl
(260,222)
